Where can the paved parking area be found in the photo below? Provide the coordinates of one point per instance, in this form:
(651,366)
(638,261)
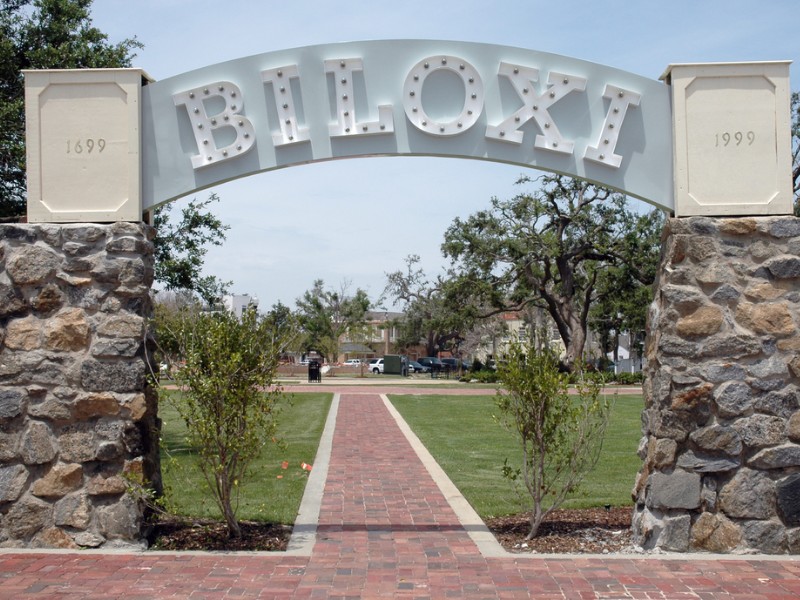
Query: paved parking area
(385,529)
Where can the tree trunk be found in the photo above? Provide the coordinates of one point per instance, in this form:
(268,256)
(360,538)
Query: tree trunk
(575,344)
(234,530)
(536,522)
(430,345)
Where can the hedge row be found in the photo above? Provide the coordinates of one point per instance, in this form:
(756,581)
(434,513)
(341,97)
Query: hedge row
(489,376)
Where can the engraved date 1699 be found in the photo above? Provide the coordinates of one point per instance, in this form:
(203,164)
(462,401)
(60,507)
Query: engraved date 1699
(86,146)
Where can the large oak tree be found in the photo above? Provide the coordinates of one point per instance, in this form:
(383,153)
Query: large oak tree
(549,248)
(432,315)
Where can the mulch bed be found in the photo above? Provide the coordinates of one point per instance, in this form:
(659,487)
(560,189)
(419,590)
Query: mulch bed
(180,534)
(566,531)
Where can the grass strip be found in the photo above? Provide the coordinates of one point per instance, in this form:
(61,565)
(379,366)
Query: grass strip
(271,493)
(470,446)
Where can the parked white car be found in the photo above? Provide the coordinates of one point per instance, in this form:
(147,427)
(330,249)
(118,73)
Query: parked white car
(375,365)
(352,362)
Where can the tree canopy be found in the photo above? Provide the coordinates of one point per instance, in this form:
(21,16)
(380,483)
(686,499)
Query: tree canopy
(623,292)
(325,314)
(550,248)
(180,249)
(42,34)
(431,314)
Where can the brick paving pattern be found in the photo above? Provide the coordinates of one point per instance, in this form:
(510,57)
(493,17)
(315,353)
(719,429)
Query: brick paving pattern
(386,531)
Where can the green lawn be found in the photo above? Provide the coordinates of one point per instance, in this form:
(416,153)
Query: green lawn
(458,430)
(470,446)
(264,496)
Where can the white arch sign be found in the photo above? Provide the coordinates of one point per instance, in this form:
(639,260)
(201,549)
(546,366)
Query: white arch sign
(106,145)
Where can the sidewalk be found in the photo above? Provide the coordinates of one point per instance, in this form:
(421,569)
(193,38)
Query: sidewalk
(386,530)
(373,380)
(414,384)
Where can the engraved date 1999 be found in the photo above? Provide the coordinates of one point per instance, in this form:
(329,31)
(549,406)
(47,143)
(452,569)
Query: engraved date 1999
(734,138)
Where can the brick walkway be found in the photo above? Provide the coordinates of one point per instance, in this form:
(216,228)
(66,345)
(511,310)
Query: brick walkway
(386,531)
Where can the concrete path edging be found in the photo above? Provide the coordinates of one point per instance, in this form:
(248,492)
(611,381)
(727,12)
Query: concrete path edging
(469,519)
(390,524)
(487,543)
(304,532)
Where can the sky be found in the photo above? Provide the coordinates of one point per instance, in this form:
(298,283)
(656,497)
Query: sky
(351,222)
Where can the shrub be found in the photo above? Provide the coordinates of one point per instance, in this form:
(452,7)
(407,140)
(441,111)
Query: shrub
(560,434)
(228,373)
(629,378)
(484,376)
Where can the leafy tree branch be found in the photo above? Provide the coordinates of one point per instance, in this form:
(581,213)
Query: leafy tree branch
(180,248)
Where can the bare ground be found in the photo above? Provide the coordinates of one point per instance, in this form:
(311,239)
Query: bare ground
(565,531)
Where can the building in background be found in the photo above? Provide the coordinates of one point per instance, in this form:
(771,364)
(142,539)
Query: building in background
(375,338)
(238,303)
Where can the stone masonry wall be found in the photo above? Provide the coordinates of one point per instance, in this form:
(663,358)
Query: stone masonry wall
(721,445)
(77,422)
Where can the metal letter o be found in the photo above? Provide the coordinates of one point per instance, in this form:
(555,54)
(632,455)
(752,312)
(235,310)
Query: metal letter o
(473,102)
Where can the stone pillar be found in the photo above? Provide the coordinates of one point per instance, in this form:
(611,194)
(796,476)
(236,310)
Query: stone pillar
(721,424)
(78,423)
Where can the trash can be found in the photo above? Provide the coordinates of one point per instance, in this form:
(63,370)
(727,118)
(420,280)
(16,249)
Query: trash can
(393,364)
(314,373)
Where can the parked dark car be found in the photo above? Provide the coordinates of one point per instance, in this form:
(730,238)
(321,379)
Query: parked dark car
(453,364)
(433,363)
(415,367)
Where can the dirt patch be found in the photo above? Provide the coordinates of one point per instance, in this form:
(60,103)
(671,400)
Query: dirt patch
(566,531)
(213,535)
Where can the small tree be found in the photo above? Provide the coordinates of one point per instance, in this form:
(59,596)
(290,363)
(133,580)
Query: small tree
(326,315)
(229,406)
(560,434)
